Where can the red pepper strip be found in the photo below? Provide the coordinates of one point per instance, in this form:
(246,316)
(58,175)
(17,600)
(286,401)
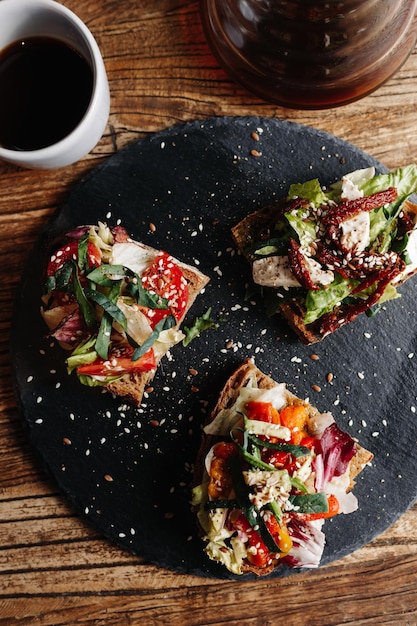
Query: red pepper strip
(299,267)
(258,553)
(262,411)
(119,364)
(349,208)
(333,509)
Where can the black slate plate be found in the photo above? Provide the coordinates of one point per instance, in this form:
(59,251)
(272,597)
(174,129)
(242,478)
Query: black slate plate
(193,182)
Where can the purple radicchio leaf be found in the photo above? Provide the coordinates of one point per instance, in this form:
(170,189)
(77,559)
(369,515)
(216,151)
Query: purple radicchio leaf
(337,449)
(308,543)
(71,329)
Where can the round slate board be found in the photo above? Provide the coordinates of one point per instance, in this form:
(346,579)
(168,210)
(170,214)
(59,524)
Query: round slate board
(194,182)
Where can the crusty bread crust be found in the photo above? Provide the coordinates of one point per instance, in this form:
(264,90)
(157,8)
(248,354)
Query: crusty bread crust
(133,386)
(227,398)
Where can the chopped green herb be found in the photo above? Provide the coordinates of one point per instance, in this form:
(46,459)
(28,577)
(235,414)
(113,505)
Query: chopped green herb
(204,322)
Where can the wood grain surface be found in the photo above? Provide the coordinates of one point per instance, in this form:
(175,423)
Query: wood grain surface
(54,567)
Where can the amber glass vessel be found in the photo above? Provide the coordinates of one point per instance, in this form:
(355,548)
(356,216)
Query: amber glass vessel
(310,54)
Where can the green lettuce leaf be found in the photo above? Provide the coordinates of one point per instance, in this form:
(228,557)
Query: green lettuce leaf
(200,324)
(403,178)
(306,230)
(323,301)
(310,190)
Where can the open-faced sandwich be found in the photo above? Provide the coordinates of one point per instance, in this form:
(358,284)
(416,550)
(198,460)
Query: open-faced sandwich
(322,257)
(271,468)
(116,306)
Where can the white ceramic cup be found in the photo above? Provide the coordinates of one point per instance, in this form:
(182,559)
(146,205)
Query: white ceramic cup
(20,19)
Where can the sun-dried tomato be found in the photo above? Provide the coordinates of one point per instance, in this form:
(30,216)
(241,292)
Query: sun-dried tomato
(349,208)
(299,266)
(385,264)
(330,322)
(405,224)
(332,261)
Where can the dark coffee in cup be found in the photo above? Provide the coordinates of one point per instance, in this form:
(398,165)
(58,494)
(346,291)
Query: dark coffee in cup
(46,87)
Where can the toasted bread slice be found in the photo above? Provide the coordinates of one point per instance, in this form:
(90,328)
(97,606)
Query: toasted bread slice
(256,226)
(132,386)
(244,376)
(69,329)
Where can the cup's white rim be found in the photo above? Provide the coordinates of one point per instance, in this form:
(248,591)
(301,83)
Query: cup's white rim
(99,74)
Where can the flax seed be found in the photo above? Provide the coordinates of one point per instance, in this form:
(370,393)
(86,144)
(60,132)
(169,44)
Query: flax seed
(152,227)
(316,388)
(67,441)
(255,153)
(314,357)
(154,422)
(108,478)
(329,377)
(254,136)
(193,372)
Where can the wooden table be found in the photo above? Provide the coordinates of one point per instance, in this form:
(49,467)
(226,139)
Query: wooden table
(54,567)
